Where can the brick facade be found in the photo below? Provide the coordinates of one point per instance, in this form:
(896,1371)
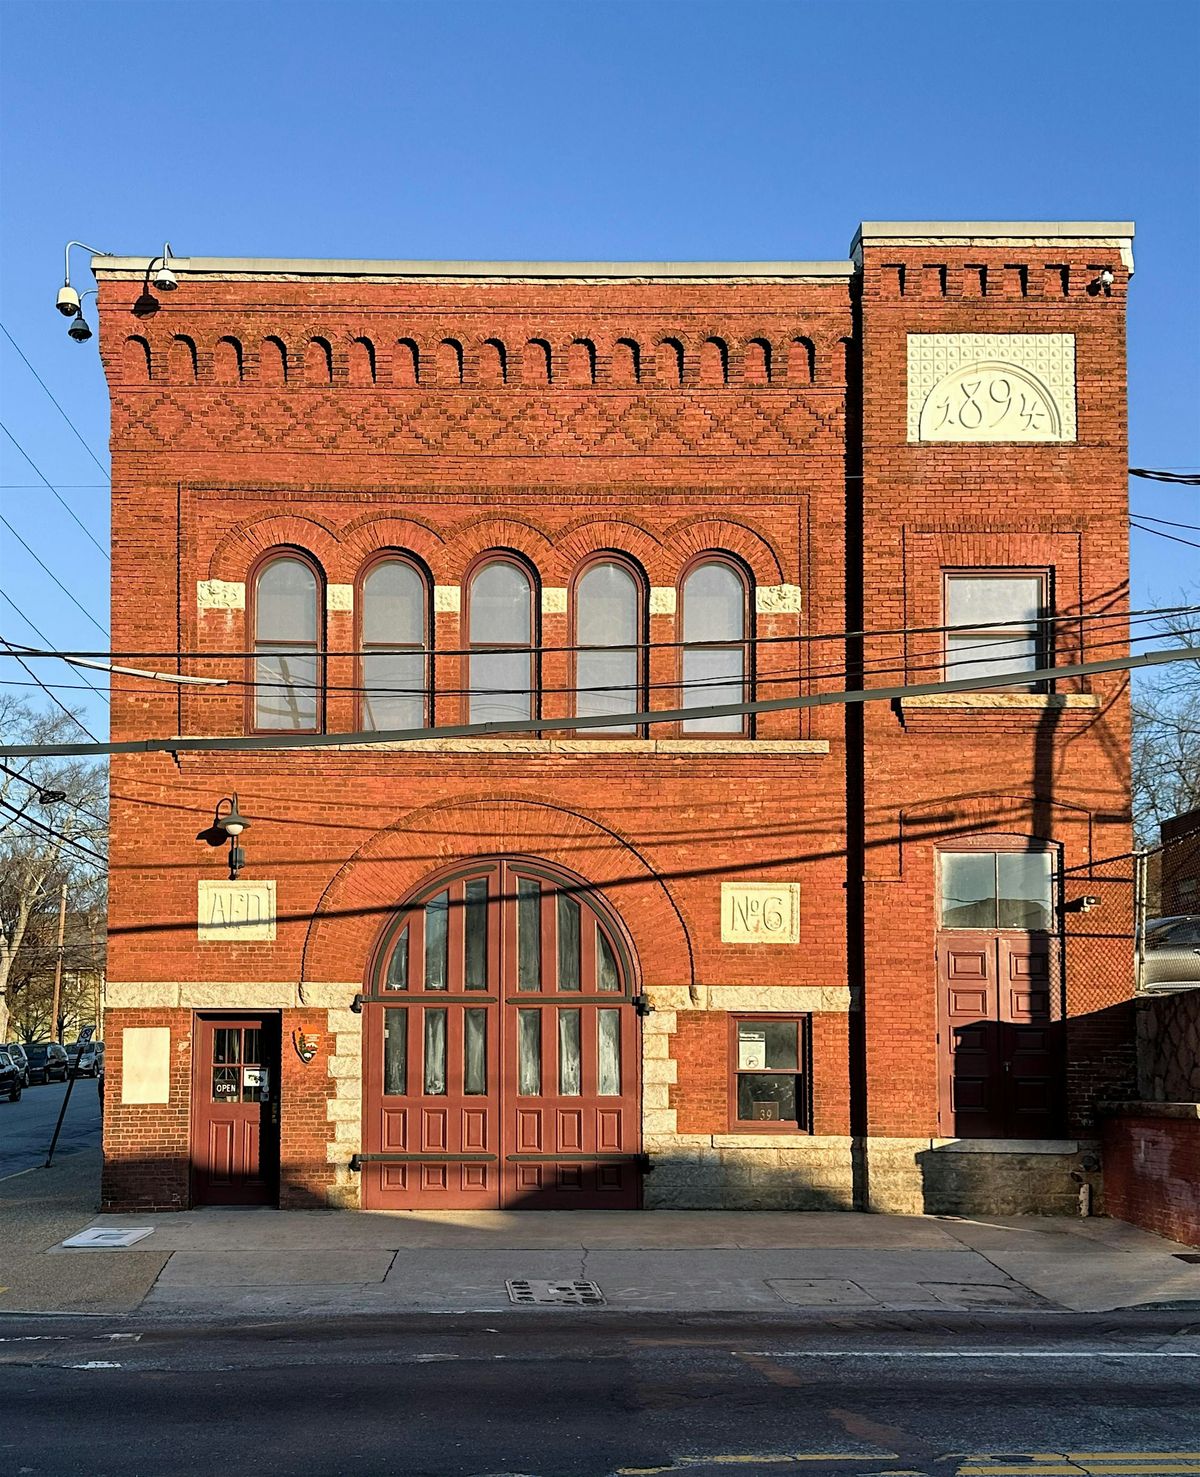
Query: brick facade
(344,409)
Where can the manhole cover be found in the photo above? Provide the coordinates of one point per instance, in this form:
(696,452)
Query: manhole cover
(108,1238)
(570,1294)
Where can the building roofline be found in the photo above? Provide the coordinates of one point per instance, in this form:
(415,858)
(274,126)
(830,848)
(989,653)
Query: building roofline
(117,268)
(991,230)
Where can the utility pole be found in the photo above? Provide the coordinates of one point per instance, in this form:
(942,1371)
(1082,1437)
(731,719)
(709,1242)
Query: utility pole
(58,961)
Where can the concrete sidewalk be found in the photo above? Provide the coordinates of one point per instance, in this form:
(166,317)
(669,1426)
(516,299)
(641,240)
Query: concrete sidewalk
(215,1263)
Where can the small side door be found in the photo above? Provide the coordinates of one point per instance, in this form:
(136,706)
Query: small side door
(969,1055)
(235,1110)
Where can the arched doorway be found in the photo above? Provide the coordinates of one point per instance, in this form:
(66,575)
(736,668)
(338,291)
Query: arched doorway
(501,1047)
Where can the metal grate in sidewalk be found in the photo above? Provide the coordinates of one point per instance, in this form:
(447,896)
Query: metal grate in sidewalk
(576,1294)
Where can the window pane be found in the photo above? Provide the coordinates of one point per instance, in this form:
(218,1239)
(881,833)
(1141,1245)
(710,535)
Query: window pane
(714,604)
(394,690)
(570,1061)
(968,889)
(609,1039)
(476,932)
(768,1046)
(529,934)
(225,1084)
(984,657)
(568,942)
(607,603)
(763,1098)
(437,918)
(713,675)
(500,606)
(607,683)
(252,1045)
(989,600)
(608,975)
(285,604)
(393,606)
(397,970)
(529,1052)
(500,686)
(1025,889)
(286,695)
(474,1052)
(435,1053)
(227,1045)
(395,1053)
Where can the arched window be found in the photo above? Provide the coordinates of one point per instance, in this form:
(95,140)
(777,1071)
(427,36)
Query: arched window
(608,627)
(713,666)
(500,636)
(287,617)
(393,607)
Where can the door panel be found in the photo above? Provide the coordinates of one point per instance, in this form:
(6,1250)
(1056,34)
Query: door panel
(1031,1038)
(969,1058)
(507,1033)
(235,1110)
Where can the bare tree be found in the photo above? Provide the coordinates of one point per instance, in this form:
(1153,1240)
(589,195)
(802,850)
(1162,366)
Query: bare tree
(1166,732)
(53,832)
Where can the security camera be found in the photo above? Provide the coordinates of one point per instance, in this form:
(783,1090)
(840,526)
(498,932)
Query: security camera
(1088,902)
(1106,278)
(67,301)
(165,280)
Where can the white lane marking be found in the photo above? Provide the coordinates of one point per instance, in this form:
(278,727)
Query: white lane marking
(128,1338)
(968,1353)
(93,1364)
(430,1358)
(35,1338)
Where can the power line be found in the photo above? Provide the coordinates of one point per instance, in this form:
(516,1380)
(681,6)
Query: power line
(798,638)
(79,723)
(1170,522)
(12,651)
(29,820)
(1159,533)
(54,490)
(1188,479)
(52,575)
(33,784)
(61,411)
(501,728)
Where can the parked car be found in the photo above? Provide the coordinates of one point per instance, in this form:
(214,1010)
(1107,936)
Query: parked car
(17,1052)
(47,1061)
(10,1078)
(1171,952)
(86,1054)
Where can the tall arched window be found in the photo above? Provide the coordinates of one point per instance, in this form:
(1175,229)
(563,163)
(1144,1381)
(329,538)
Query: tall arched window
(393,609)
(287,645)
(500,630)
(713,669)
(608,626)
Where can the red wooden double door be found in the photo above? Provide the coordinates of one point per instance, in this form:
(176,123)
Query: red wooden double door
(1001,1035)
(235,1110)
(501,1049)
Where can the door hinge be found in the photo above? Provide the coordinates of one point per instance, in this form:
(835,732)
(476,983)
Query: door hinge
(641,1003)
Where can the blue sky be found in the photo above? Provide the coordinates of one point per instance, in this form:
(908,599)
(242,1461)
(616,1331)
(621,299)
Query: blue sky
(516,128)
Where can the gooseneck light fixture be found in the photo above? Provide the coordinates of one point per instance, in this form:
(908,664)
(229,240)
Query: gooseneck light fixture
(233,823)
(80,330)
(164,278)
(67,301)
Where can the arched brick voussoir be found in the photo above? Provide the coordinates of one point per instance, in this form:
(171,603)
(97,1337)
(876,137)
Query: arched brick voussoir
(367,890)
(242,545)
(366,536)
(469,540)
(588,536)
(692,536)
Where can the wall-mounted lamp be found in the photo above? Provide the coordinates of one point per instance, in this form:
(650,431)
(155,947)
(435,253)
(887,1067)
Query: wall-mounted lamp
(80,330)
(164,279)
(233,823)
(67,301)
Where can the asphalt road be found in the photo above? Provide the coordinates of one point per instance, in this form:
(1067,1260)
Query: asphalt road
(570,1394)
(27,1127)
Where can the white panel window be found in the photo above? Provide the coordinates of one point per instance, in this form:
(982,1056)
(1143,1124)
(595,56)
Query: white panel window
(714,654)
(286,646)
(1000,626)
(394,604)
(500,621)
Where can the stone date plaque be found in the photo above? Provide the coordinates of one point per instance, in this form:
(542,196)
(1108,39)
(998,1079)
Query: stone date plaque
(991,387)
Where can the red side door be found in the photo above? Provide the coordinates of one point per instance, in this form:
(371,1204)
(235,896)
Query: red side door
(235,1110)
(1031,1037)
(971,1092)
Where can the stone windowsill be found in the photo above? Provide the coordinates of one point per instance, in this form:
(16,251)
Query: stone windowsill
(1007,702)
(674,748)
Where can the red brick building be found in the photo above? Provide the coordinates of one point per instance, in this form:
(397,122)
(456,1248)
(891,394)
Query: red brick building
(807,957)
